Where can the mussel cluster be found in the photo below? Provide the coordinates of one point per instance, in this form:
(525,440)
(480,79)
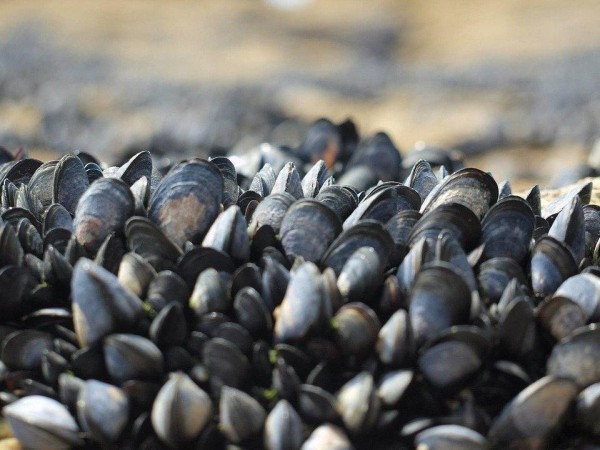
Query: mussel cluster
(330,296)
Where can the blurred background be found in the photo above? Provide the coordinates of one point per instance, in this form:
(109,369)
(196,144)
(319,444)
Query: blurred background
(513,84)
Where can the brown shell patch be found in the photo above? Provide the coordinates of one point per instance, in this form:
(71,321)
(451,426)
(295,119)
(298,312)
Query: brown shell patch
(179,217)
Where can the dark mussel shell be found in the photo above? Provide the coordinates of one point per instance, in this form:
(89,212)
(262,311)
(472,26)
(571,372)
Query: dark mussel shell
(551,263)
(101,305)
(507,229)
(361,276)
(103,410)
(380,155)
(454,217)
(342,200)
(367,233)
(302,309)
(314,179)
(470,187)
(228,234)
(421,178)
(383,202)
(450,437)
(231,191)
(40,187)
(576,356)
(583,289)
(70,182)
(270,212)
(180,411)
(323,141)
(147,240)
(263,181)
(288,180)
(138,166)
(187,201)
(439,299)
(534,416)
(56,216)
(103,209)
(307,230)
(569,228)
(42,423)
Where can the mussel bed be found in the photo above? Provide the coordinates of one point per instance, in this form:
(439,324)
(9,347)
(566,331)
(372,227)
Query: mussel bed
(335,295)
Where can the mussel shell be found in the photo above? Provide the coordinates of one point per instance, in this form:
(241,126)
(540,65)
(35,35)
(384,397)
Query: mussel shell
(42,423)
(307,230)
(40,186)
(56,216)
(361,275)
(421,178)
(495,274)
(103,410)
(283,428)
(147,240)
(356,327)
(241,416)
(321,142)
(507,229)
(19,172)
(270,212)
(231,191)
(450,437)
(583,191)
(439,299)
(198,259)
(111,252)
(70,182)
(583,289)
(252,313)
(560,316)
(470,187)
(535,415)
(449,366)
(101,305)
(569,228)
(379,154)
(342,200)
(383,202)
(394,343)
(288,180)
(453,217)
(135,273)
(138,166)
(228,366)
(228,234)
(551,264)
(302,309)
(23,350)
(575,356)
(367,233)
(129,357)
(327,436)
(102,209)
(314,179)
(587,409)
(187,201)
(11,251)
(210,294)
(180,411)
(263,181)
(358,403)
